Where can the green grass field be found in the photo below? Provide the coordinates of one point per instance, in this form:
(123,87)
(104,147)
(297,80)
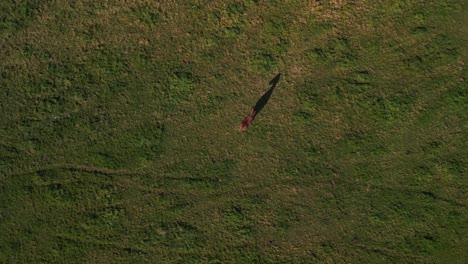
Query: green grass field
(120,142)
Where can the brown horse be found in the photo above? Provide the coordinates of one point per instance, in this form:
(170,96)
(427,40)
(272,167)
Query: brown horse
(248,120)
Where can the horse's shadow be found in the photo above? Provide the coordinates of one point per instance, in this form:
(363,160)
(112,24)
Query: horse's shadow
(266,96)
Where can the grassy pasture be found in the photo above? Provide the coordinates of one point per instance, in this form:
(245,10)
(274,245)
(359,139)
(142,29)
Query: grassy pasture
(119,138)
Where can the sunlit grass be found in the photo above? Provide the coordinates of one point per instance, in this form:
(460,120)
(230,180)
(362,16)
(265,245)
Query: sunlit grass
(119,137)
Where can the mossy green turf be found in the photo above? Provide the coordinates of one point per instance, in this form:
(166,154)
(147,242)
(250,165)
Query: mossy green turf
(119,135)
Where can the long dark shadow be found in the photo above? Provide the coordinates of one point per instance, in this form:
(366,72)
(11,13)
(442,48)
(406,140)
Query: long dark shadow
(266,96)
(254,110)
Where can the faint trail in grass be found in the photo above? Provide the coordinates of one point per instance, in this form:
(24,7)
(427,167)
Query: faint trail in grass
(84,168)
(99,243)
(391,253)
(424,192)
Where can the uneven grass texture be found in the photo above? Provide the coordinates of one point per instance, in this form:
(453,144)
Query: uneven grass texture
(119,138)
